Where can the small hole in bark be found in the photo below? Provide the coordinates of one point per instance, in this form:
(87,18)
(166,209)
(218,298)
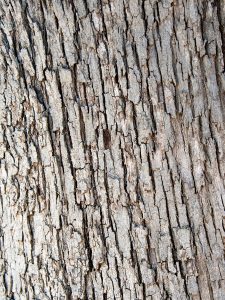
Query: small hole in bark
(106,138)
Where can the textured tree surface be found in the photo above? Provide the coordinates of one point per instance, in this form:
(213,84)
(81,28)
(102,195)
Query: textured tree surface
(112,148)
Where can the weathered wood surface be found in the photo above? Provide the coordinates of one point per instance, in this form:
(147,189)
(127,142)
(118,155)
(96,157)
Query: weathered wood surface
(112,149)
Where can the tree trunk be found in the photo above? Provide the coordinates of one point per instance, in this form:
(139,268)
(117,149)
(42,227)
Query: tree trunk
(112,148)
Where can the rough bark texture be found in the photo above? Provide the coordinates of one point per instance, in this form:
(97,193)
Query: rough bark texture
(112,148)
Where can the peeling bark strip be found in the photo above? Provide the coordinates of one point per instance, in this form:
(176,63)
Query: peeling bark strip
(112,148)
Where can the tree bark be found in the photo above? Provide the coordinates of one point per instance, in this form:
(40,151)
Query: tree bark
(112,148)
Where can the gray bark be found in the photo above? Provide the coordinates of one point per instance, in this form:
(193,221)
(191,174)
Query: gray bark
(112,149)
